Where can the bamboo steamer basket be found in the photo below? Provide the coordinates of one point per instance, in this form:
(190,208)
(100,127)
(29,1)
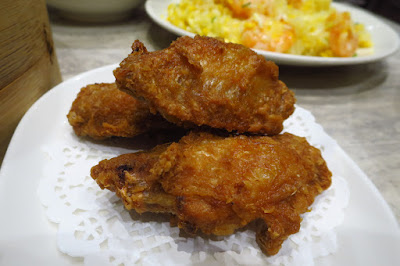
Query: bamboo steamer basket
(28,63)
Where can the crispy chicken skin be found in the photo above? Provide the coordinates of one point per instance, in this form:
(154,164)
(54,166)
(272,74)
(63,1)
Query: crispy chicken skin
(217,184)
(101,111)
(205,81)
(129,176)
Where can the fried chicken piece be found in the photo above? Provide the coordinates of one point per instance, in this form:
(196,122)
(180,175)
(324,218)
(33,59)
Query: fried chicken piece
(129,176)
(217,184)
(101,111)
(205,81)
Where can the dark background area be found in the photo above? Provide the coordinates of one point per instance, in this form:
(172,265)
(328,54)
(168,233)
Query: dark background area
(386,8)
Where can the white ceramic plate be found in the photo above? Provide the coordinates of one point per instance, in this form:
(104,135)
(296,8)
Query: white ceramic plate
(386,40)
(369,234)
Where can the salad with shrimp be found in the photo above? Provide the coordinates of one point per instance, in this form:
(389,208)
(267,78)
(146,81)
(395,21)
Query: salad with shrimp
(300,27)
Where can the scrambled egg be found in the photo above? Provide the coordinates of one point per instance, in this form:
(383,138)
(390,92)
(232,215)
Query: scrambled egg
(302,27)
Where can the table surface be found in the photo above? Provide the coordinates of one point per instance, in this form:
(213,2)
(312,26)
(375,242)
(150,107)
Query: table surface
(359,106)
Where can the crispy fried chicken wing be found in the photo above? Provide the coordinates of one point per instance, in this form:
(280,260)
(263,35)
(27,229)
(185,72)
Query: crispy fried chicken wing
(101,111)
(205,81)
(217,184)
(129,176)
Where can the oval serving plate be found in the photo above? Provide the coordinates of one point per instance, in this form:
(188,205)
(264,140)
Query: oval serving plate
(385,39)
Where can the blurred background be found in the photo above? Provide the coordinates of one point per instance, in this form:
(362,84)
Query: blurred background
(386,8)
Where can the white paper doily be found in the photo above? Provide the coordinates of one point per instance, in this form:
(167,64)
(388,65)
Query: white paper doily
(94,225)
